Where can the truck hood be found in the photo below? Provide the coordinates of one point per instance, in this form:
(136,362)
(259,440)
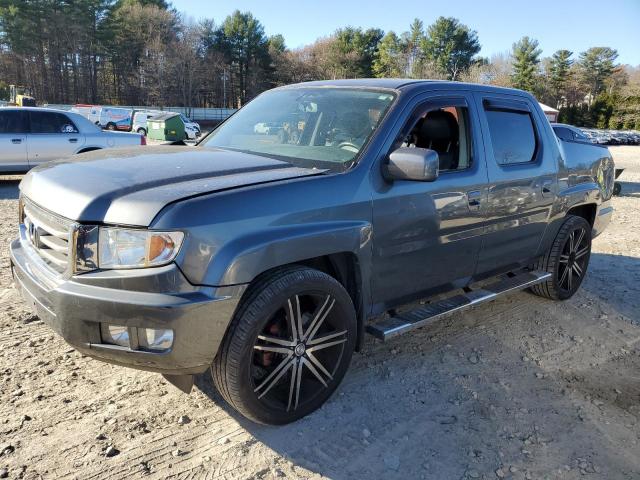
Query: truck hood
(130,186)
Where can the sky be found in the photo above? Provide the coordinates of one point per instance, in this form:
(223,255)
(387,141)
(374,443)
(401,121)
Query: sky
(572,24)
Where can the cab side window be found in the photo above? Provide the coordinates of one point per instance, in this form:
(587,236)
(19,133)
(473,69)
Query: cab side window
(512,136)
(446,131)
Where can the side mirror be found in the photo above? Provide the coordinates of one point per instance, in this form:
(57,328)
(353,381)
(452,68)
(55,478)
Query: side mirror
(419,164)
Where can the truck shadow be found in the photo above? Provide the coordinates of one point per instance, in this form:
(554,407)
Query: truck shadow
(450,399)
(9,187)
(615,281)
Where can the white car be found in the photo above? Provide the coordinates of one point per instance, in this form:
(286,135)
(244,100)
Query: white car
(191,128)
(31,136)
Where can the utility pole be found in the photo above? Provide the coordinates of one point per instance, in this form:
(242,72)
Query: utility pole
(224,88)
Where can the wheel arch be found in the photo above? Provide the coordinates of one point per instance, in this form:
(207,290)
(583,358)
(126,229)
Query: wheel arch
(345,267)
(340,249)
(586,211)
(89,149)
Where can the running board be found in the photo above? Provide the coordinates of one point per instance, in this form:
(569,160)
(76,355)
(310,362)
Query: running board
(407,321)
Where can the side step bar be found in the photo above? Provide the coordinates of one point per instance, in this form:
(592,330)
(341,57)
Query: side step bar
(407,321)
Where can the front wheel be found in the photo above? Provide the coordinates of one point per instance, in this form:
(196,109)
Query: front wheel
(142,132)
(567,260)
(288,346)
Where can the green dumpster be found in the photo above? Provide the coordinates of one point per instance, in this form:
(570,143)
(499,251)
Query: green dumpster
(167,127)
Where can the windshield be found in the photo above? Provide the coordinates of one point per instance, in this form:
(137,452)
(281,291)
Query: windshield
(319,127)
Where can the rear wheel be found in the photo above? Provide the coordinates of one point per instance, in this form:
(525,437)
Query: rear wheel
(288,347)
(111,126)
(142,132)
(567,260)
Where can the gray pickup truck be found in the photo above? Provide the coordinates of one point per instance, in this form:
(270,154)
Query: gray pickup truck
(266,255)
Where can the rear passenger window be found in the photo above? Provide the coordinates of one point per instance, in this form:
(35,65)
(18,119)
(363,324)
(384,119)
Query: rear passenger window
(51,122)
(12,121)
(512,136)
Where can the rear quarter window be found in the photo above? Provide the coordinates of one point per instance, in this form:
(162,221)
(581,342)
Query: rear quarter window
(512,136)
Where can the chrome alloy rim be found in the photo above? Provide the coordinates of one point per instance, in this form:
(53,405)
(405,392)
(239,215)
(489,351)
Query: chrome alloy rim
(573,260)
(298,352)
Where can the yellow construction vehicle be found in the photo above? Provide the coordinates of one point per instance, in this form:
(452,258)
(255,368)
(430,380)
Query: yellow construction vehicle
(21,96)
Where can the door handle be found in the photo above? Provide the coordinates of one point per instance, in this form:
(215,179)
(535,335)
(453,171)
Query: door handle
(473,199)
(16,140)
(73,140)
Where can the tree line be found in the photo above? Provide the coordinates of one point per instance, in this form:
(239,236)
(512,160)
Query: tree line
(143,52)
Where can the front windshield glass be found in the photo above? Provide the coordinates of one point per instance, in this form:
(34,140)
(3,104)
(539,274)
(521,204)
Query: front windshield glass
(318,127)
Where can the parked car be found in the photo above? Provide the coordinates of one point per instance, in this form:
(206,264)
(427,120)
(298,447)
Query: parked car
(569,133)
(191,128)
(31,136)
(267,259)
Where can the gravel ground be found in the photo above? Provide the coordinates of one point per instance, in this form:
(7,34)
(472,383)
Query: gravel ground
(519,388)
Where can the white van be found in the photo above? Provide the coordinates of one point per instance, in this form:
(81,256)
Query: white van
(90,112)
(116,118)
(140,118)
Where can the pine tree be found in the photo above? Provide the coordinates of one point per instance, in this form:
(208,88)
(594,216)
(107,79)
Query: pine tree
(559,71)
(597,65)
(526,58)
(389,60)
(450,46)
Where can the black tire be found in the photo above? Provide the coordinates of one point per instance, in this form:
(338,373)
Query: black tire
(142,132)
(258,382)
(617,188)
(111,126)
(567,260)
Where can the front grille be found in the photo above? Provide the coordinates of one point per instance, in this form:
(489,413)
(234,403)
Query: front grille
(49,234)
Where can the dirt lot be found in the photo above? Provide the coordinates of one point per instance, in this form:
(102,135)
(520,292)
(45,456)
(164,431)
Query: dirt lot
(520,388)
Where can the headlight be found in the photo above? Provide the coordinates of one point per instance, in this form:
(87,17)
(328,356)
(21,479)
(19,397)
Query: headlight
(124,248)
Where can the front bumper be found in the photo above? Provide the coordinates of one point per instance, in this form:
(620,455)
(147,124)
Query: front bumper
(149,298)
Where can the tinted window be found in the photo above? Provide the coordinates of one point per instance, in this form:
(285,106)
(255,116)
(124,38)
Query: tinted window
(563,133)
(51,122)
(12,121)
(512,136)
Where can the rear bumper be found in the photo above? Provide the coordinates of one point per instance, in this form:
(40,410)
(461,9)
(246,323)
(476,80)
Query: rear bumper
(148,298)
(604,213)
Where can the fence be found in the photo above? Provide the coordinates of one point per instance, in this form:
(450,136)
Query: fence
(194,113)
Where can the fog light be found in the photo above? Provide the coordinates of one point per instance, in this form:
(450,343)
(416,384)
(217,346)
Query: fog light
(155,339)
(114,334)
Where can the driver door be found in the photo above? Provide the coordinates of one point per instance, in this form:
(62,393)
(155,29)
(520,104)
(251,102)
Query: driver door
(53,135)
(428,235)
